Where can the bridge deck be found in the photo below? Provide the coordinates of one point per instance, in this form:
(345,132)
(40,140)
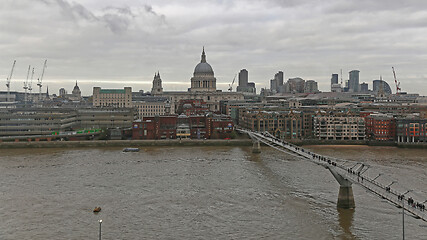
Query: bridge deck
(346,172)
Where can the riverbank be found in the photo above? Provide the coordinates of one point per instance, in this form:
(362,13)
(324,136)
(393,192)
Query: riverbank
(126,143)
(314,142)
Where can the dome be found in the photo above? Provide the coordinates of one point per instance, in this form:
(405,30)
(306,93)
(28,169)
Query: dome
(203,68)
(76,88)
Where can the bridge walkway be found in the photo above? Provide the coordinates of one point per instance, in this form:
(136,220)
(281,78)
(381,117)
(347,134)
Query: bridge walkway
(338,165)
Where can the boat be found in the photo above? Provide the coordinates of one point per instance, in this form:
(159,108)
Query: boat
(97,209)
(131,150)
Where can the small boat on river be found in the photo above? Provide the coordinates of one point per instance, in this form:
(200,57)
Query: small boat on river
(131,150)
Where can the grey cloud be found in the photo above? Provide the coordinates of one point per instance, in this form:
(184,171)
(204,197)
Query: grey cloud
(123,42)
(75,11)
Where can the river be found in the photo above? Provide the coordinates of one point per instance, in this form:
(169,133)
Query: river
(200,193)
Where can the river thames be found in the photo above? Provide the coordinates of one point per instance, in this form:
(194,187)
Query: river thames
(201,193)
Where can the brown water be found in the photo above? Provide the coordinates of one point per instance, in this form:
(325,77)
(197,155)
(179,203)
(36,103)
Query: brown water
(199,193)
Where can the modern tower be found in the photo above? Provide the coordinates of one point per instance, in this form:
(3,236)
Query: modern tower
(243,78)
(353,82)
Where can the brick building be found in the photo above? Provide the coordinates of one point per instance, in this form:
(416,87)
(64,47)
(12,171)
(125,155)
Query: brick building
(380,127)
(411,130)
(182,126)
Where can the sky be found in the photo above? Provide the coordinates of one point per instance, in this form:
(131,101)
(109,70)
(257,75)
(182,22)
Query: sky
(113,44)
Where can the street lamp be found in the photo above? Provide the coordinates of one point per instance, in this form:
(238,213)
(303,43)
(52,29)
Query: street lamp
(392,183)
(100,223)
(377,177)
(403,213)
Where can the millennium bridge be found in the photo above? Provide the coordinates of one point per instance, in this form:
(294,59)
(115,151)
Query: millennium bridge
(345,175)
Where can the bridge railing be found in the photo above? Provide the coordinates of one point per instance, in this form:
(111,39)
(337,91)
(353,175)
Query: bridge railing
(363,180)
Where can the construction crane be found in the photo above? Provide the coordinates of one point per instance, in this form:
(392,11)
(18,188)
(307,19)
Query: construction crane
(396,82)
(30,85)
(8,81)
(231,85)
(26,85)
(40,80)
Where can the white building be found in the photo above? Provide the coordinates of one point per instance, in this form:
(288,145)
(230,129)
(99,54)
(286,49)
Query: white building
(118,98)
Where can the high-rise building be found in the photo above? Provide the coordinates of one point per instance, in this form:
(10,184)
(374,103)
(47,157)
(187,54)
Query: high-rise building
(243,78)
(245,87)
(334,79)
(294,85)
(273,85)
(364,87)
(378,85)
(310,86)
(279,78)
(353,82)
(276,84)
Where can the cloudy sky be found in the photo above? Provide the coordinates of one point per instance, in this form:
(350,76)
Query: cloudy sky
(113,44)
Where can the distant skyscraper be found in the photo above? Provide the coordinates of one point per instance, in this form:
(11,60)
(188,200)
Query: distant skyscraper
(276,84)
(364,87)
(335,86)
(245,87)
(353,82)
(310,86)
(377,85)
(334,79)
(243,78)
(295,85)
(279,78)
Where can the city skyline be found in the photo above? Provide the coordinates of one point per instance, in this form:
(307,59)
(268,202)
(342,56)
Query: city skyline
(112,45)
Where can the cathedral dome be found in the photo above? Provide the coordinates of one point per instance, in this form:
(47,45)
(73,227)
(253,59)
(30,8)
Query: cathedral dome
(203,67)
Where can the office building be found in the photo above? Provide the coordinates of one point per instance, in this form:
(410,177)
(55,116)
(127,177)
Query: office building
(353,82)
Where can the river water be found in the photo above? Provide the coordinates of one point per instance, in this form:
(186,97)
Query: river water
(200,193)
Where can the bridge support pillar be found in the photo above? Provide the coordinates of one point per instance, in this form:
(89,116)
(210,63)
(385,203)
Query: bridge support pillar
(256,147)
(345,195)
(346,198)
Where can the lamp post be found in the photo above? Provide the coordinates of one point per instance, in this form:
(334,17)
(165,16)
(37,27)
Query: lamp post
(391,183)
(377,177)
(100,223)
(403,213)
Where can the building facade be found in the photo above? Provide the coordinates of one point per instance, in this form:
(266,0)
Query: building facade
(174,126)
(339,126)
(283,124)
(118,98)
(380,127)
(411,130)
(151,106)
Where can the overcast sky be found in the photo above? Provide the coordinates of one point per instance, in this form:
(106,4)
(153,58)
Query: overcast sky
(113,44)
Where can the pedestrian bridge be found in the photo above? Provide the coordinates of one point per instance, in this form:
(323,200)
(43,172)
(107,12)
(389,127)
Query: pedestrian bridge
(344,174)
